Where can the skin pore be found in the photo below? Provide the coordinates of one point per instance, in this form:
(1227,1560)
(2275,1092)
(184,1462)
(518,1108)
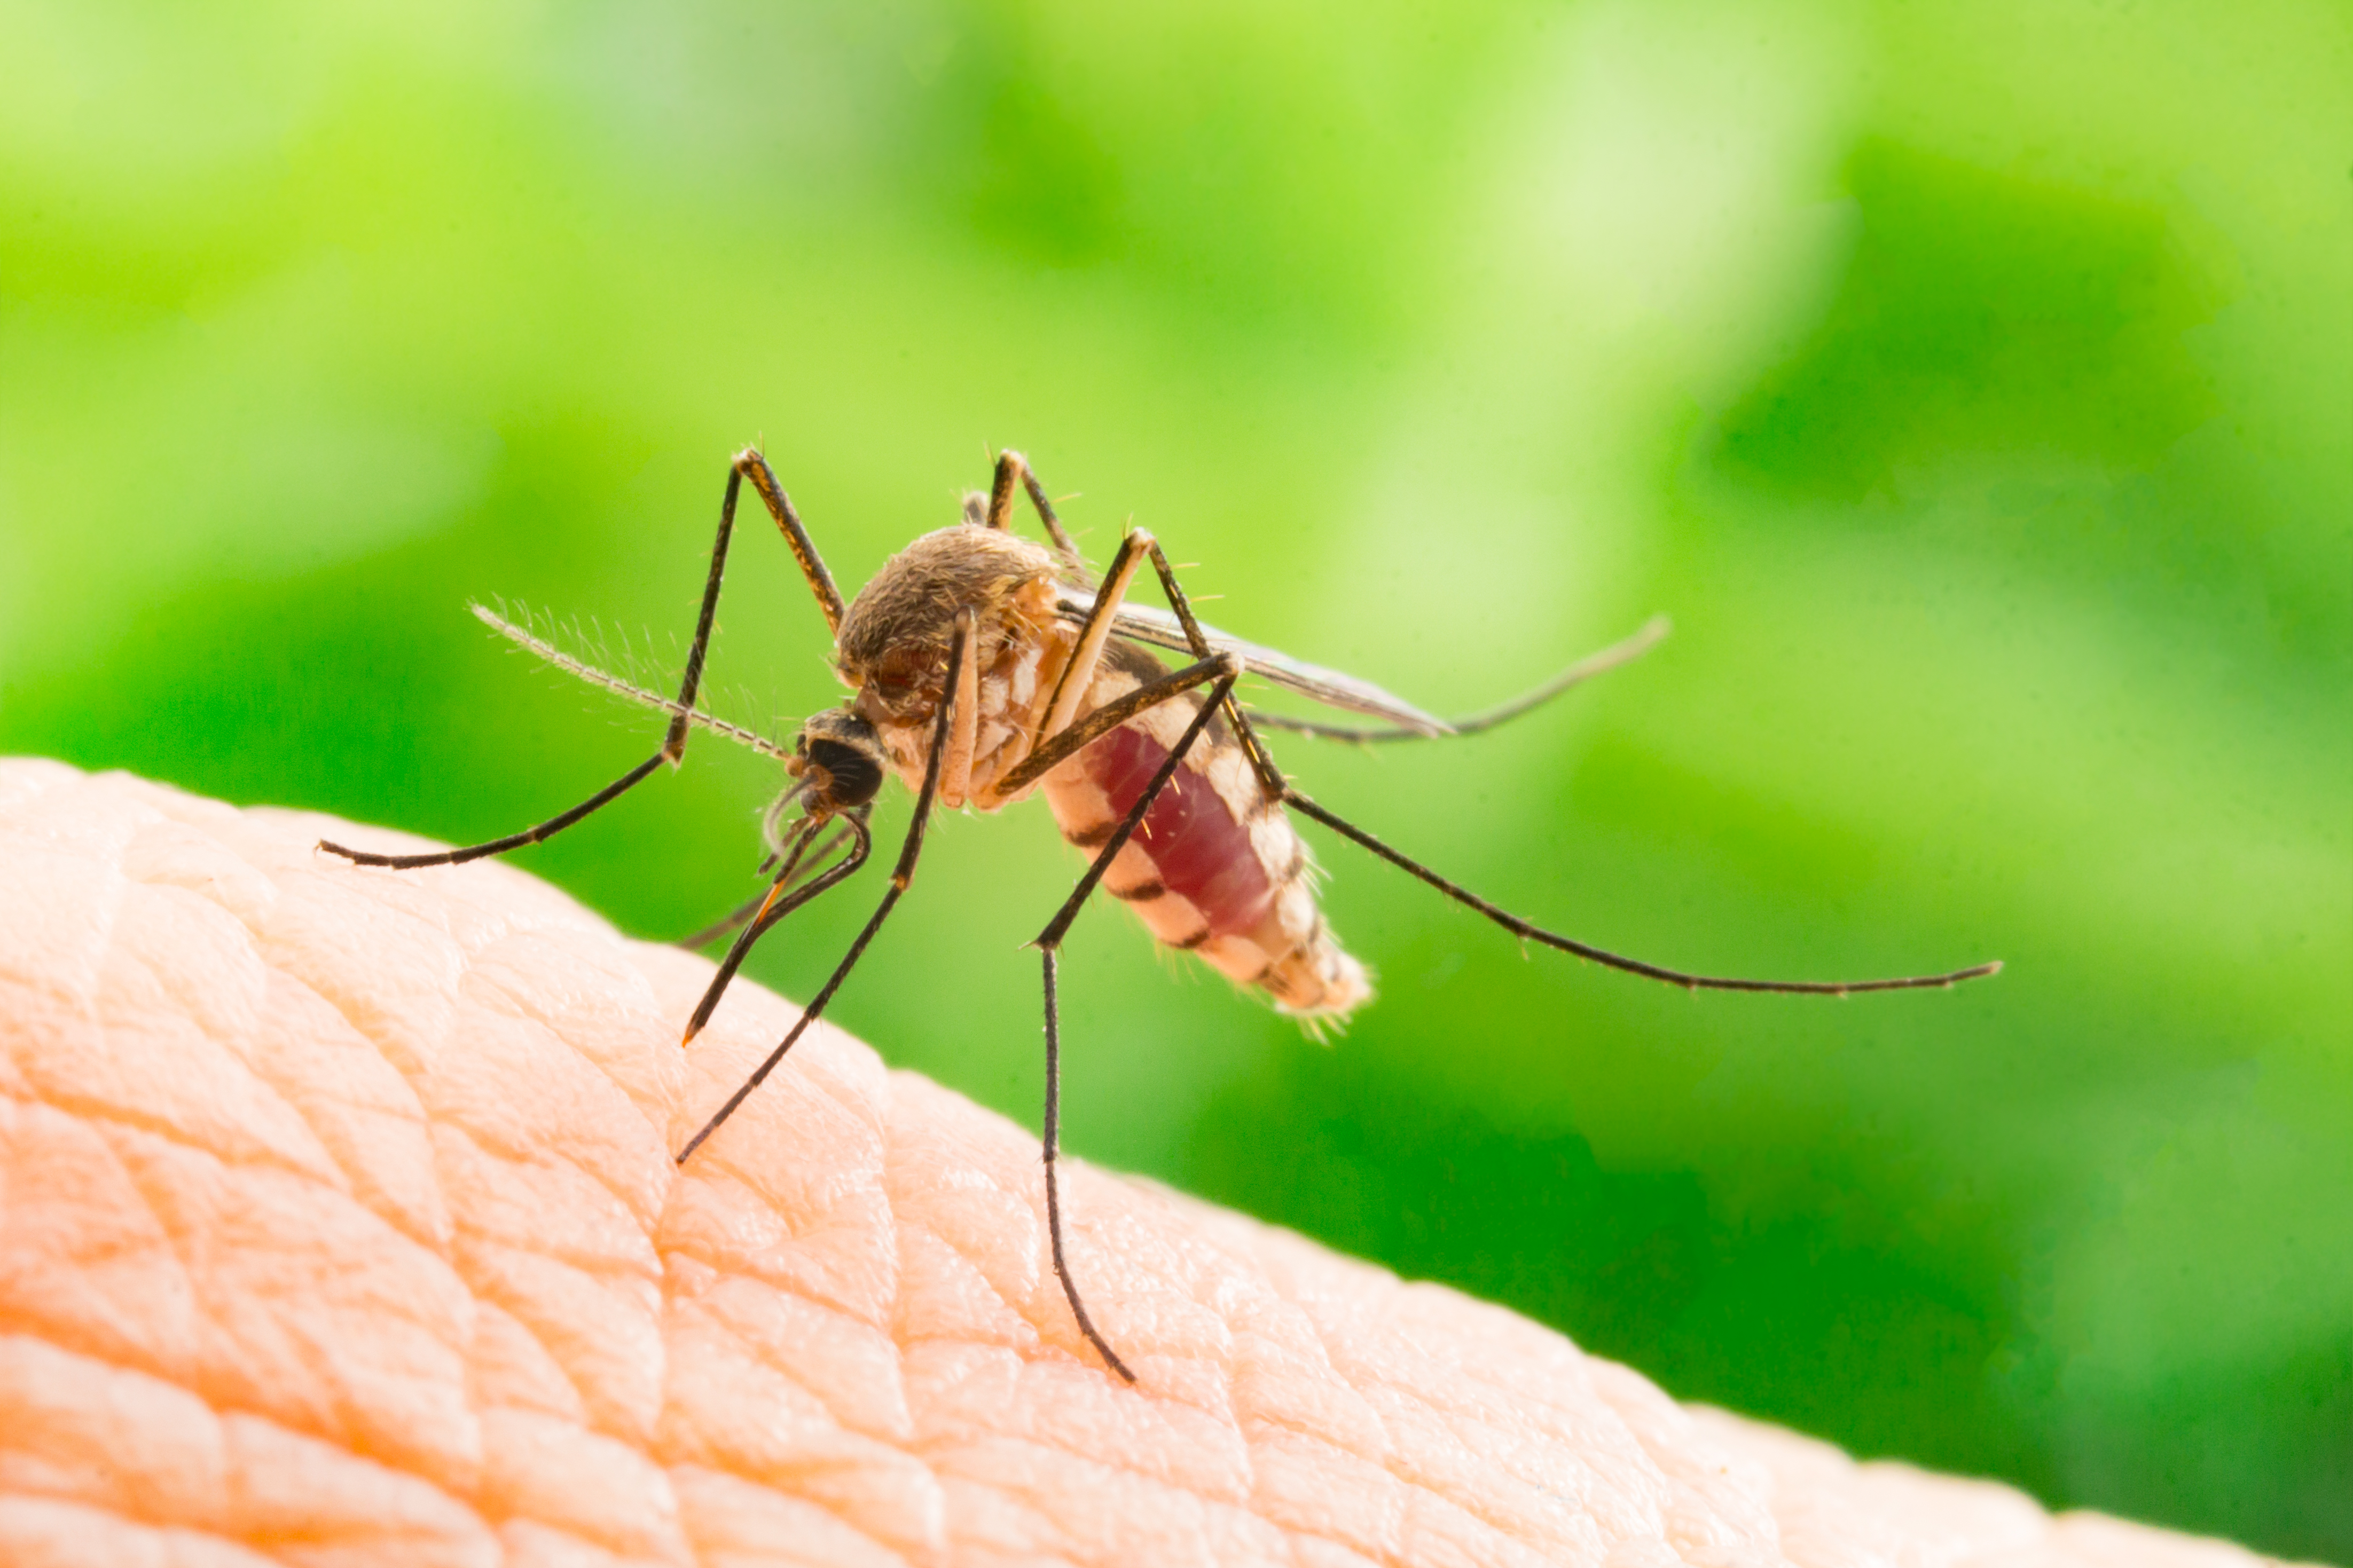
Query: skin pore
(339,1225)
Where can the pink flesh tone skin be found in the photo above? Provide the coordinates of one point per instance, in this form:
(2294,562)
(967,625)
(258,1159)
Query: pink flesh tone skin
(338,1225)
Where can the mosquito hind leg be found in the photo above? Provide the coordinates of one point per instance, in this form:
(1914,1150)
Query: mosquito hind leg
(1528,930)
(1049,944)
(1279,788)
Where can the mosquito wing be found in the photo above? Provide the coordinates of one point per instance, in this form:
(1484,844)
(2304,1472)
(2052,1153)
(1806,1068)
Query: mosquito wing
(1329,687)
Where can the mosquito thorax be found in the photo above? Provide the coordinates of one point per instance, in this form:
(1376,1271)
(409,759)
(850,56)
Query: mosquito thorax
(893,644)
(839,760)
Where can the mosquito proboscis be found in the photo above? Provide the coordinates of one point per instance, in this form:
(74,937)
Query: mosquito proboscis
(984,667)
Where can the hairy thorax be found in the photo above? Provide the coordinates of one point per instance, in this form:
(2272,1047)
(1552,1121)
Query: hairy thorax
(895,643)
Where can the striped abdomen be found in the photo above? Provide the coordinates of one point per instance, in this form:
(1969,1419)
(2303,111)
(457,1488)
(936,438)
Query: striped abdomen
(1215,867)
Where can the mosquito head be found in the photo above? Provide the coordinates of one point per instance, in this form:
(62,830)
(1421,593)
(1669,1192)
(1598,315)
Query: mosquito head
(838,760)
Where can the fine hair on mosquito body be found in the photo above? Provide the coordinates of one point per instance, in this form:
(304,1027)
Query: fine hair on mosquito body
(984,667)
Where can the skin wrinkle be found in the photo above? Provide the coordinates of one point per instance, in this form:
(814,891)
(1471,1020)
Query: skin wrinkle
(88,1104)
(621,1197)
(428,1226)
(347,1184)
(1391,1455)
(488,1292)
(437,1236)
(489,1321)
(158,1238)
(240,1368)
(219,1498)
(567,1247)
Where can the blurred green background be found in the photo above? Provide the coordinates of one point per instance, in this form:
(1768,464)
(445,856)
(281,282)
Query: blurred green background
(1973,383)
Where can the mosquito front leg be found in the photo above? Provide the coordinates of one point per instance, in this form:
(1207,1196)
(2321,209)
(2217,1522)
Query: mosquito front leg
(674,746)
(781,899)
(902,875)
(749,464)
(1048,943)
(726,925)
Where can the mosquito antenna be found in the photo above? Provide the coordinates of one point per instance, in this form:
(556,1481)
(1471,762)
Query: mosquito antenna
(620,687)
(1527,930)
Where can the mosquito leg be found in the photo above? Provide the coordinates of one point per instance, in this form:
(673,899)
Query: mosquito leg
(1110,717)
(723,926)
(1049,944)
(1012,468)
(1064,544)
(1529,932)
(749,464)
(674,746)
(1279,788)
(727,924)
(780,900)
(901,876)
(1625,651)
(1051,1144)
(1270,777)
(964,734)
(1078,674)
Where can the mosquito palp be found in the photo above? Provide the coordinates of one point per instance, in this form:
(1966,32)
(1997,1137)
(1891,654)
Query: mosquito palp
(983,669)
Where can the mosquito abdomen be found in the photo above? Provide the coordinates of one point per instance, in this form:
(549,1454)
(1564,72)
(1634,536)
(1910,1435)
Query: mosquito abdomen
(1214,869)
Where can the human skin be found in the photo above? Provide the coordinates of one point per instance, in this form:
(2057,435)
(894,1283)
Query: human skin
(338,1225)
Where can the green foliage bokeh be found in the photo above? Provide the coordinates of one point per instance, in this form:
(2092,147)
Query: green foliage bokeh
(1969,382)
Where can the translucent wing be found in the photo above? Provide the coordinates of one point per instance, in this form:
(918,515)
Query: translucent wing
(1162,629)
(1609,659)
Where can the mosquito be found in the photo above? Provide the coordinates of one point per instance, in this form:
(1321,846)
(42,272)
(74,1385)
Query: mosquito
(984,668)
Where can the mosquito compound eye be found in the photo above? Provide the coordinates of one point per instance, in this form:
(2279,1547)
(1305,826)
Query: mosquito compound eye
(854,772)
(901,668)
(848,751)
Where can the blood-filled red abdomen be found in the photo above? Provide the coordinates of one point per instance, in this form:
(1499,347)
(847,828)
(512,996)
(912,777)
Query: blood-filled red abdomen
(1196,842)
(1215,867)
